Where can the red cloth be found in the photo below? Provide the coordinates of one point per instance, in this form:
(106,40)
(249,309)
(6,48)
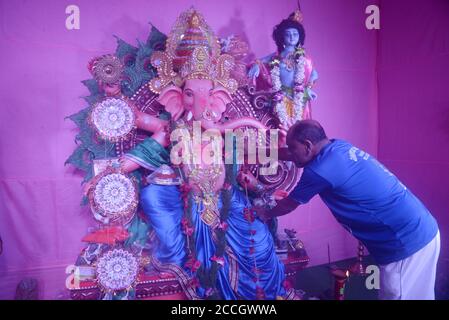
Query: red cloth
(109,235)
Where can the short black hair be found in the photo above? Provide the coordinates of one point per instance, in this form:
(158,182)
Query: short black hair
(307,130)
(278,32)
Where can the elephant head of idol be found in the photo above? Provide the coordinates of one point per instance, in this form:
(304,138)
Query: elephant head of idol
(194,79)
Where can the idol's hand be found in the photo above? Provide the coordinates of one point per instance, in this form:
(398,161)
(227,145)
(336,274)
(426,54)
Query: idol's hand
(312,94)
(280,194)
(162,137)
(313,76)
(127,165)
(148,122)
(254,71)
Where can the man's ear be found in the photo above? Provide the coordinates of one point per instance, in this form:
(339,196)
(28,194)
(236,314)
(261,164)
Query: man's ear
(308,145)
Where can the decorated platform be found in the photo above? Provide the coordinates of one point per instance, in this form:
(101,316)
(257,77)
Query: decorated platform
(158,286)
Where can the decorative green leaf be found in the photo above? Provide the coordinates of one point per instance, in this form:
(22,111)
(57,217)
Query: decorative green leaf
(156,39)
(92,85)
(77,159)
(137,72)
(124,48)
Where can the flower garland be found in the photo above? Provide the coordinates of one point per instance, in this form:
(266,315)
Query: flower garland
(204,278)
(299,99)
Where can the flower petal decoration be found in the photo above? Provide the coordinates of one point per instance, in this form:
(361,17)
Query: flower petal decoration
(218,260)
(249,215)
(193,264)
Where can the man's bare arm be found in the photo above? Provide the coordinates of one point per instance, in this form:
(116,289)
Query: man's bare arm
(283,207)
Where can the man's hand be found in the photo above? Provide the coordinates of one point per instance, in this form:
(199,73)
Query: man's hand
(283,207)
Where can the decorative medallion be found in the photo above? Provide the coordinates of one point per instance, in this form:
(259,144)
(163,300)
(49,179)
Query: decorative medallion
(113,119)
(117,269)
(113,198)
(107,69)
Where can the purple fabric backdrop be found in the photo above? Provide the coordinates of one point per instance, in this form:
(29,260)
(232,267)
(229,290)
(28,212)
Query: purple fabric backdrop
(42,64)
(413,68)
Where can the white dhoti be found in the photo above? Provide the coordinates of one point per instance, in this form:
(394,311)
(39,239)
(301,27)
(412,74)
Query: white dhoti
(412,278)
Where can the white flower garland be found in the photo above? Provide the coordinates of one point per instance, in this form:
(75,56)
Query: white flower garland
(298,96)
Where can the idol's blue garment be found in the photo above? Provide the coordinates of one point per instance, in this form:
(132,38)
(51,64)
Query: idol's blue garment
(164,208)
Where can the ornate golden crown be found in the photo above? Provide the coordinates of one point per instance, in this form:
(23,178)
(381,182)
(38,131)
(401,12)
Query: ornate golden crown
(192,52)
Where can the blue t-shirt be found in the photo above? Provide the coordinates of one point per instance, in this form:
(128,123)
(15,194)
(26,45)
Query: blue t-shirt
(368,200)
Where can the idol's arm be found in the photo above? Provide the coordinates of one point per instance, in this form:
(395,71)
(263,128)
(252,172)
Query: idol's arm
(267,58)
(148,122)
(150,154)
(255,68)
(253,153)
(127,165)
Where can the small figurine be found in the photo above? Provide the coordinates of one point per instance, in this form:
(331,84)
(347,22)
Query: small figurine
(287,73)
(295,245)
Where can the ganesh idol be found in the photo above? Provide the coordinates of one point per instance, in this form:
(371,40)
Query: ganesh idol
(206,232)
(287,73)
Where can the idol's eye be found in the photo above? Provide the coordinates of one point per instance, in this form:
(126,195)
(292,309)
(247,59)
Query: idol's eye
(292,33)
(188,93)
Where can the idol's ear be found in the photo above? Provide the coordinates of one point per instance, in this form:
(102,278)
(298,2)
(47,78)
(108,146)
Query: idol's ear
(171,99)
(220,97)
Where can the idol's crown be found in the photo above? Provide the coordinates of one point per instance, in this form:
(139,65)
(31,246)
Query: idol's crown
(192,52)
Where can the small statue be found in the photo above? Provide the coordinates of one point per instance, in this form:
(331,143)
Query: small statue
(287,73)
(295,245)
